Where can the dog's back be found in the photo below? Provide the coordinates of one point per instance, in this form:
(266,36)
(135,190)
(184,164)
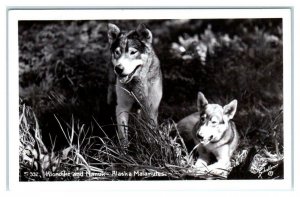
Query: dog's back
(186,128)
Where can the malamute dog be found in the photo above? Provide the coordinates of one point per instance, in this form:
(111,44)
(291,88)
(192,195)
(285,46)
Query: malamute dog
(212,129)
(138,74)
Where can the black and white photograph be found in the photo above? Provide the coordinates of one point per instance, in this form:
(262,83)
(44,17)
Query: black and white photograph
(151,99)
(150,96)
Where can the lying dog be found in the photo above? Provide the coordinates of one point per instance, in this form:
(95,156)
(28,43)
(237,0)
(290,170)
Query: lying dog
(138,73)
(213,131)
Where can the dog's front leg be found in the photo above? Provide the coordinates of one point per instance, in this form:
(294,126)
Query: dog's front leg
(154,98)
(200,164)
(203,159)
(122,121)
(124,105)
(222,166)
(223,158)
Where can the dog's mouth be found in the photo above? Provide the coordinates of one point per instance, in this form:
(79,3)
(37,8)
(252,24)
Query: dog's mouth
(205,141)
(127,78)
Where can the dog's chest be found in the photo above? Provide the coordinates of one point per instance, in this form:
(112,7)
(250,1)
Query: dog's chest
(139,88)
(212,148)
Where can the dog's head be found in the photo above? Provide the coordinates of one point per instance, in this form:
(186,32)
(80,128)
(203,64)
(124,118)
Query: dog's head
(129,50)
(214,119)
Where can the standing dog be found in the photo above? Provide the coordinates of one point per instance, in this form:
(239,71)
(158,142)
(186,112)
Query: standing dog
(213,131)
(138,74)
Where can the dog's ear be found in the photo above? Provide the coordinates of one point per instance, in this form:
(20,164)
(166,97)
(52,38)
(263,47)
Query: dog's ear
(201,101)
(230,109)
(144,34)
(113,32)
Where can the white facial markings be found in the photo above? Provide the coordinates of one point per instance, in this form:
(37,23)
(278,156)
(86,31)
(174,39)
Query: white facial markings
(128,61)
(128,64)
(212,124)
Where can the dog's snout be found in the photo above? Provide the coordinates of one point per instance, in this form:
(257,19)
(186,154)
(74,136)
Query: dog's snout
(119,69)
(199,136)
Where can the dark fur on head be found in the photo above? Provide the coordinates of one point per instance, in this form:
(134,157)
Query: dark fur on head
(141,38)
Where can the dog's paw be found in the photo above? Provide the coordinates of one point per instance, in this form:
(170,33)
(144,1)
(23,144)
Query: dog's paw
(200,164)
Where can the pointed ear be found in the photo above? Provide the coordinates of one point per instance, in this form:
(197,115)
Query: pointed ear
(112,32)
(230,109)
(144,34)
(201,101)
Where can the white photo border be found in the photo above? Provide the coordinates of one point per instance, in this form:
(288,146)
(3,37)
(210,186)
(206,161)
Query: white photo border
(14,14)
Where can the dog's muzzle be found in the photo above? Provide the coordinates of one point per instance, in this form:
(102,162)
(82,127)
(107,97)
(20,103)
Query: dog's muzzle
(204,140)
(118,70)
(127,78)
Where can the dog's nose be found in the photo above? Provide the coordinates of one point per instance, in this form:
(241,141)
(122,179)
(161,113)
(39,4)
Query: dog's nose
(199,136)
(119,69)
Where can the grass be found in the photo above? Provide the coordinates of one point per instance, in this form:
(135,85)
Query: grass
(66,125)
(154,155)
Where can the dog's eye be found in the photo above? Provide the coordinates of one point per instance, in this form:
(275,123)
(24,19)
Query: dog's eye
(117,52)
(202,119)
(214,120)
(133,52)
